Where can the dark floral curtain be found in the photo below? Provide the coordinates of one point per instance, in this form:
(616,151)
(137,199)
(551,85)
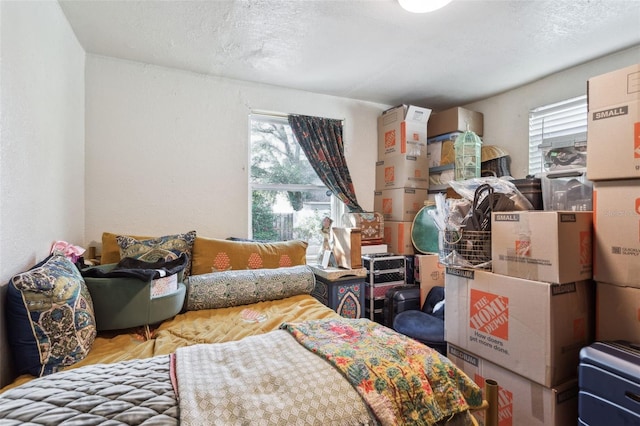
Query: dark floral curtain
(321,140)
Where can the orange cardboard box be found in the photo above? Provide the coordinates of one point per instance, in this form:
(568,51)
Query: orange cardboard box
(399,204)
(549,246)
(455,119)
(429,272)
(397,237)
(533,328)
(613,125)
(402,171)
(520,401)
(617,312)
(403,130)
(617,232)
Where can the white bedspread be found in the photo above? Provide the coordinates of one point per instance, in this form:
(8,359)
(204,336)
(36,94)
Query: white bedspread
(267,379)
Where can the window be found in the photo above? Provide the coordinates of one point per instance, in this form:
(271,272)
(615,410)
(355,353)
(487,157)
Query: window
(288,199)
(563,120)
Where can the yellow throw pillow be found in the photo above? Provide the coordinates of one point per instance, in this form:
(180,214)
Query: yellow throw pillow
(111,249)
(212,255)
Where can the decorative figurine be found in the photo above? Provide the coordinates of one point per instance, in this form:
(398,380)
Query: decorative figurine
(325,256)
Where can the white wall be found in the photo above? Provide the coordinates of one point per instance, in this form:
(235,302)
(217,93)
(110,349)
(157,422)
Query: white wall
(506,116)
(41,140)
(167,150)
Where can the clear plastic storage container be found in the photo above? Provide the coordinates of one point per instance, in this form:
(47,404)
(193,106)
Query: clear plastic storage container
(567,190)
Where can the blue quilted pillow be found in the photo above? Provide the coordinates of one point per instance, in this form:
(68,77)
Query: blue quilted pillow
(50,317)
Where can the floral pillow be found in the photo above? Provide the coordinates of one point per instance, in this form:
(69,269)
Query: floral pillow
(50,318)
(169,247)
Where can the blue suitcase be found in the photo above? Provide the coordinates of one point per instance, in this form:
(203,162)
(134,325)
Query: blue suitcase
(609,384)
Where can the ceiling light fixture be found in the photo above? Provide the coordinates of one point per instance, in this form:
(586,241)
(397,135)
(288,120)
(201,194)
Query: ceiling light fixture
(422,6)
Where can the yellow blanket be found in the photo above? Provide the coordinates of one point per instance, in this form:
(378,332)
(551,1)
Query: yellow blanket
(204,326)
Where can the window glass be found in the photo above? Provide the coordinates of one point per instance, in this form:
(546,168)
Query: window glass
(288,199)
(560,124)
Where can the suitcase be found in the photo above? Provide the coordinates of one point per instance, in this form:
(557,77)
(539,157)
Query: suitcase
(609,384)
(399,299)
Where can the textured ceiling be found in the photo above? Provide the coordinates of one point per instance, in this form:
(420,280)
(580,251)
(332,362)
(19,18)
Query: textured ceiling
(370,50)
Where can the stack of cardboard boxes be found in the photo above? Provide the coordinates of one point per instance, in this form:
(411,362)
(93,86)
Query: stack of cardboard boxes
(613,164)
(524,324)
(402,173)
(560,279)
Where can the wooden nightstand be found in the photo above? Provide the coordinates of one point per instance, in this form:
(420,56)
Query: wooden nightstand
(340,289)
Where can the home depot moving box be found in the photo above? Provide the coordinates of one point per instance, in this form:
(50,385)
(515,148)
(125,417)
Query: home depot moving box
(521,402)
(397,236)
(613,125)
(617,232)
(403,130)
(455,120)
(402,171)
(399,204)
(617,312)
(542,245)
(429,272)
(533,328)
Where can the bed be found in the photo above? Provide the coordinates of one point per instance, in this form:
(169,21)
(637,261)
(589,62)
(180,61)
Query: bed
(283,359)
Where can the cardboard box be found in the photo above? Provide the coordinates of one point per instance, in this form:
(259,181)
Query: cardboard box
(455,119)
(617,232)
(403,130)
(429,272)
(613,125)
(555,247)
(399,204)
(440,149)
(397,236)
(402,171)
(347,247)
(520,401)
(533,328)
(617,312)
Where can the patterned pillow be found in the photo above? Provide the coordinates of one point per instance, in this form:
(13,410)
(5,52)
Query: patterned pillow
(111,251)
(168,247)
(215,255)
(234,288)
(50,317)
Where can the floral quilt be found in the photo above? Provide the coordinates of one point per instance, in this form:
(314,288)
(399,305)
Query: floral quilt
(403,381)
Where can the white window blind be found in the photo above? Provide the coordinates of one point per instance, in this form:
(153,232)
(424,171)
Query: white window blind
(561,119)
